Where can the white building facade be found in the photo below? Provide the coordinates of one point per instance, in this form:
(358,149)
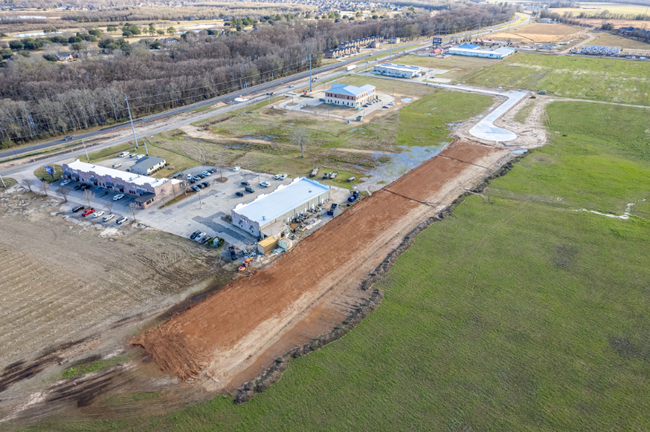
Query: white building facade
(349,95)
(397,70)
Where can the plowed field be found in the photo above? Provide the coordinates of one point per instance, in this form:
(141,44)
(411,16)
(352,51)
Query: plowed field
(227,331)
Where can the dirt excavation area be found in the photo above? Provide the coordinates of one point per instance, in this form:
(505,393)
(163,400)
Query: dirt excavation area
(66,281)
(234,334)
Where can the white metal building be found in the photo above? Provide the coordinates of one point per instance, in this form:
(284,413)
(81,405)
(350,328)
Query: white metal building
(269,214)
(475,51)
(397,70)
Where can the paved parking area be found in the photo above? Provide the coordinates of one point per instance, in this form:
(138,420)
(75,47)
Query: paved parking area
(316,106)
(202,211)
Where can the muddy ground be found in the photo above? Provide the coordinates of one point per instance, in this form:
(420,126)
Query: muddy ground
(72,288)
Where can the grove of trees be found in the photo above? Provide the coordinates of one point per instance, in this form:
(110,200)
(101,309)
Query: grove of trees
(47,99)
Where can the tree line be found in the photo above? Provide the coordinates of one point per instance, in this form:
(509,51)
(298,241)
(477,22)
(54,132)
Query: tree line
(42,99)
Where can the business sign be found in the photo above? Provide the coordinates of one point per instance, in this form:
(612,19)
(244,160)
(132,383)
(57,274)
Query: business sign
(49,169)
(437,41)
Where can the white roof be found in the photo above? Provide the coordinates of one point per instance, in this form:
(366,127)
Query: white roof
(267,207)
(351,90)
(399,67)
(139,180)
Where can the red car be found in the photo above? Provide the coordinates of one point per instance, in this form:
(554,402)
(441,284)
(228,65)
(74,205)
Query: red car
(87,212)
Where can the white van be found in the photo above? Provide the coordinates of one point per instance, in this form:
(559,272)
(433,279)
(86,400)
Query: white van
(124,154)
(117,165)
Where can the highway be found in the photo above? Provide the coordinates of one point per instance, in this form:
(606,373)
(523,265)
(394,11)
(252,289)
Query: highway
(279,86)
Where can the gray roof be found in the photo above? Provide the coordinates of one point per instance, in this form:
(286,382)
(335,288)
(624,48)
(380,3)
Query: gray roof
(144,164)
(350,90)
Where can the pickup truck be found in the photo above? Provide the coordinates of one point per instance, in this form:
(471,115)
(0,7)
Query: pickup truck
(314,172)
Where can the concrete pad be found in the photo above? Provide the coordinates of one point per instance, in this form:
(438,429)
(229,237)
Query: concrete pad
(485,129)
(441,80)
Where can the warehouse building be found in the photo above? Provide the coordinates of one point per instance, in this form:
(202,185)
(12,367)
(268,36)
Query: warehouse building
(349,95)
(397,70)
(148,190)
(471,50)
(268,215)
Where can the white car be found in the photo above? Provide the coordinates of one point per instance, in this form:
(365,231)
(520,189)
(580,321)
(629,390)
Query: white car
(283,176)
(65,182)
(199,237)
(118,197)
(236,168)
(98,214)
(108,217)
(277,177)
(205,173)
(291,86)
(265,184)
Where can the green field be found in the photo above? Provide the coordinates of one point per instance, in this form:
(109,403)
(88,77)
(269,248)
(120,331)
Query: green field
(514,314)
(458,67)
(573,77)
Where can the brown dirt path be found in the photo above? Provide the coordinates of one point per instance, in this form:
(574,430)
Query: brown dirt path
(226,333)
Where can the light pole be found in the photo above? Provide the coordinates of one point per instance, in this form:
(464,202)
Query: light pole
(131,119)
(3,182)
(200,202)
(310,80)
(86,151)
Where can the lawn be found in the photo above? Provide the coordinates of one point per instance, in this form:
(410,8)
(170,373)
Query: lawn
(514,314)
(575,77)
(40,172)
(8,182)
(427,120)
(458,67)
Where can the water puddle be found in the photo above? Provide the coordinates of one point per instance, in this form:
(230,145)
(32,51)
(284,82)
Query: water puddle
(403,162)
(351,130)
(625,215)
(406,100)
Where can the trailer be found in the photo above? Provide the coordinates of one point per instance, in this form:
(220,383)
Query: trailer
(314,172)
(351,67)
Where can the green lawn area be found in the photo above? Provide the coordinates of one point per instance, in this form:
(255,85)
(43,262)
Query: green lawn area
(515,314)
(458,67)
(574,77)
(426,121)
(9,182)
(86,368)
(40,172)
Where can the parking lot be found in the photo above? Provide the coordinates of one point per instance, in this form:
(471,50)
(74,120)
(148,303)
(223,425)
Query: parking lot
(202,211)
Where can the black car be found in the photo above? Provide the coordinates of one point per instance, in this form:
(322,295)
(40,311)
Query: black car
(76,209)
(239,193)
(249,189)
(195,188)
(233,253)
(212,170)
(205,184)
(194,234)
(200,175)
(78,187)
(201,185)
(245,183)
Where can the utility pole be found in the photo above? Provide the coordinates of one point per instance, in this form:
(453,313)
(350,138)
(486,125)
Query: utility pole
(86,151)
(200,202)
(3,182)
(310,80)
(131,119)
(144,140)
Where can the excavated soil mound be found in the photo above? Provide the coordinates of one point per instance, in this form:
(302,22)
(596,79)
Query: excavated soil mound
(236,323)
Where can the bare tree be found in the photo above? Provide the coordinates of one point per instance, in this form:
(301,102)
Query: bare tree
(300,138)
(64,192)
(133,207)
(109,206)
(45,186)
(89,196)
(28,184)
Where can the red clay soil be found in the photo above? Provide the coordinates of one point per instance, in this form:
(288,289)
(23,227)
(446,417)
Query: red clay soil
(227,328)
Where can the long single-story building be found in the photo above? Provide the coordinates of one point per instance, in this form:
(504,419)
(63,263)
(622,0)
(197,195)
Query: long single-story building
(147,189)
(471,50)
(148,165)
(397,70)
(270,214)
(349,95)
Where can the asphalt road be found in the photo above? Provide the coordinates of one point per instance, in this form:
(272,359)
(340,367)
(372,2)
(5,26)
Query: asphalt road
(275,85)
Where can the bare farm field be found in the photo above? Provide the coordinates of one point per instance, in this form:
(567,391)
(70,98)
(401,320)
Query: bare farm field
(65,281)
(540,33)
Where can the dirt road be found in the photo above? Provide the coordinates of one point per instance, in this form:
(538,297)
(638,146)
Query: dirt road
(226,333)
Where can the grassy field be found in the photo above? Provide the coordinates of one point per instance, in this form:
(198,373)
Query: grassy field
(514,314)
(608,39)
(424,122)
(596,7)
(427,120)
(458,67)
(8,181)
(575,77)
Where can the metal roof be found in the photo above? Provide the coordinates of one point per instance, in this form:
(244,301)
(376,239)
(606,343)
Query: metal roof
(468,46)
(135,179)
(350,90)
(142,165)
(400,67)
(268,207)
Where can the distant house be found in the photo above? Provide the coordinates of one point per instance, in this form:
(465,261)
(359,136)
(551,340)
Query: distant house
(149,165)
(168,41)
(63,56)
(547,21)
